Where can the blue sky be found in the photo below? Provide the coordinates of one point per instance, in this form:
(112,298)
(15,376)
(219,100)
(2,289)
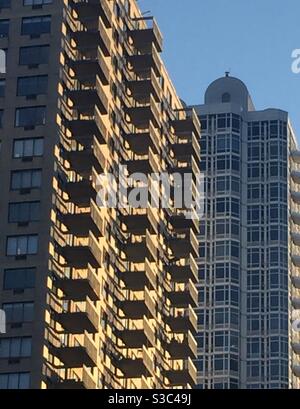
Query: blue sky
(252,38)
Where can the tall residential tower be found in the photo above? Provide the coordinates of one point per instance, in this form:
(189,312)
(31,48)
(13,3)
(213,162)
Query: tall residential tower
(94,297)
(248,268)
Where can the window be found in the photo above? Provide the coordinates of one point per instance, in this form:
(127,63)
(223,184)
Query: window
(36,26)
(5,4)
(36,2)
(17,347)
(18,380)
(226,98)
(25,148)
(4,28)
(22,245)
(18,312)
(26,179)
(30,116)
(36,85)
(24,212)
(2,87)
(19,278)
(35,55)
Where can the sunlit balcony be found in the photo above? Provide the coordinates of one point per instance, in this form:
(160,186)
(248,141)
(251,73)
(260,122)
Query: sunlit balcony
(132,307)
(84,252)
(183,272)
(296,197)
(149,332)
(296,282)
(184,244)
(296,370)
(92,38)
(81,161)
(86,9)
(141,64)
(78,355)
(182,322)
(79,192)
(141,115)
(296,176)
(295,155)
(296,303)
(144,38)
(187,122)
(181,347)
(296,260)
(141,89)
(77,289)
(83,130)
(132,337)
(183,297)
(140,142)
(79,320)
(181,374)
(296,238)
(296,347)
(85,70)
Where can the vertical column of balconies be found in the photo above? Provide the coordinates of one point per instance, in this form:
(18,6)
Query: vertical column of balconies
(295,260)
(80,225)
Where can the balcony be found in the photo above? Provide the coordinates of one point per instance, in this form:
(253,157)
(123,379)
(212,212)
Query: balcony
(296,197)
(181,348)
(296,218)
(296,282)
(140,142)
(135,252)
(141,89)
(295,155)
(80,193)
(150,332)
(79,321)
(184,244)
(179,375)
(151,303)
(151,273)
(86,69)
(296,238)
(78,224)
(83,130)
(296,347)
(296,303)
(296,370)
(79,255)
(183,298)
(142,64)
(76,356)
(138,166)
(86,9)
(144,38)
(182,322)
(98,218)
(81,161)
(296,260)
(187,124)
(296,176)
(91,38)
(152,246)
(77,289)
(148,362)
(141,115)
(132,308)
(132,337)
(183,272)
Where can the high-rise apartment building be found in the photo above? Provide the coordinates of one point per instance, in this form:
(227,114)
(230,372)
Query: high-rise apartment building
(94,297)
(248,265)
